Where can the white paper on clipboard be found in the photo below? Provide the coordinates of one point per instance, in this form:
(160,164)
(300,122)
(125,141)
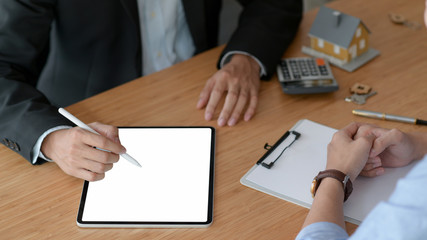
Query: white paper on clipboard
(291,176)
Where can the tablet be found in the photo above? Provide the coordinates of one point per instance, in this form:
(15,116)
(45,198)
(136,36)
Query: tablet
(172,189)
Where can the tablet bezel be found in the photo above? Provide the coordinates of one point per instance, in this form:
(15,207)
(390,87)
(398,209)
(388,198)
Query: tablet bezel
(160,224)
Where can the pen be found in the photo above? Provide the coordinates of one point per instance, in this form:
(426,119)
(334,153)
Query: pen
(378,115)
(81,124)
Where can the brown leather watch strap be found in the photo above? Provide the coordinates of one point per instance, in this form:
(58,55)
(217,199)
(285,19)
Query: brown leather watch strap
(336,174)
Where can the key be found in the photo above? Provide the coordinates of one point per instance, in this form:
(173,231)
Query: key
(365,96)
(359,99)
(356,98)
(400,19)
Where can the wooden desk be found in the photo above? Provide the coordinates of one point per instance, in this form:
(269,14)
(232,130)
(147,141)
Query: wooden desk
(40,202)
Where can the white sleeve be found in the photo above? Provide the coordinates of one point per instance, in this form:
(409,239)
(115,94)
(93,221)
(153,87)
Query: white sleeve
(404,215)
(322,231)
(226,58)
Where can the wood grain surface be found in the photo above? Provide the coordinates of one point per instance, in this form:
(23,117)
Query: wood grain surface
(40,202)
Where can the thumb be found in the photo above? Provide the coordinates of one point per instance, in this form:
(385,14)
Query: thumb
(368,140)
(381,143)
(365,145)
(371,138)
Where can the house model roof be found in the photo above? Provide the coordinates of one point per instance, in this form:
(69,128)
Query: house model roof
(335,27)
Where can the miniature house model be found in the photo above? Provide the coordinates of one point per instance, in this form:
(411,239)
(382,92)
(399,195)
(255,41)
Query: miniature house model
(339,35)
(340,38)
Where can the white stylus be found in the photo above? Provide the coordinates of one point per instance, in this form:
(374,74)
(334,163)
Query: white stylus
(81,124)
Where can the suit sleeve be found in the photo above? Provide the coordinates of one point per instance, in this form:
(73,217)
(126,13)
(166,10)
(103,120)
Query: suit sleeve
(25,113)
(266,28)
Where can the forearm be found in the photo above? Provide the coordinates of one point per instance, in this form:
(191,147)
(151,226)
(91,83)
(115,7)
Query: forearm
(328,204)
(346,156)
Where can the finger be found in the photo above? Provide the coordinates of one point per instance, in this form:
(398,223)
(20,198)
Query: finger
(351,129)
(385,139)
(238,109)
(214,98)
(364,145)
(85,168)
(89,175)
(96,140)
(252,106)
(204,95)
(373,172)
(363,130)
(83,173)
(96,167)
(375,159)
(369,140)
(346,134)
(108,131)
(99,155)
(370,166)
(230,102)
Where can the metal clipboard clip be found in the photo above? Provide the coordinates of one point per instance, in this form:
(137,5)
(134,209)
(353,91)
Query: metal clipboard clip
(272,148)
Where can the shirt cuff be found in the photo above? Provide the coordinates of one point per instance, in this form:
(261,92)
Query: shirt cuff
(227,57)
(36,153)
(322,230)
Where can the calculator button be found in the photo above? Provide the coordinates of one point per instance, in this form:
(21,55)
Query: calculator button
(324,72)
(320,61)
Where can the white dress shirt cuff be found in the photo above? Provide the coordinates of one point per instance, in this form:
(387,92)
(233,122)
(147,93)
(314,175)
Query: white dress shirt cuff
(227,57)
(37,147)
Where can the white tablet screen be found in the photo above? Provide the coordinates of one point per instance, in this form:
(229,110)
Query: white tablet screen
(173,186)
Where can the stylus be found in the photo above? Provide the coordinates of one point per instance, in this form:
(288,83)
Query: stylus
(81,124)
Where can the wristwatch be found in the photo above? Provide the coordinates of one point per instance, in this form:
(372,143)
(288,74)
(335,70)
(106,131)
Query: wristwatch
(332,173)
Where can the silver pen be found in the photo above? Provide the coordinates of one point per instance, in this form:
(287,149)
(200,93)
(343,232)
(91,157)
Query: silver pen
(81,124)
(390,117)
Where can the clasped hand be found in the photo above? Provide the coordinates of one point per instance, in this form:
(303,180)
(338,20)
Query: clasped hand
(366,149)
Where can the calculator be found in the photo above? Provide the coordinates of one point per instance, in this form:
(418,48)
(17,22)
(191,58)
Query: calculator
(306,75)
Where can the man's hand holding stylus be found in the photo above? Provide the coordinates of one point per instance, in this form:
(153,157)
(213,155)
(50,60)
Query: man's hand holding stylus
(73,150)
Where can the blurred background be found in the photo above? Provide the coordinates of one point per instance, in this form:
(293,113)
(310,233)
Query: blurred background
(231,10)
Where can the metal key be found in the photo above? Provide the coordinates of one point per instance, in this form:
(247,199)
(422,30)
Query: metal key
(360,99)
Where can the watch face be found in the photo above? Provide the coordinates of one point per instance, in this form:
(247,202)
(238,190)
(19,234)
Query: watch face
(313,187)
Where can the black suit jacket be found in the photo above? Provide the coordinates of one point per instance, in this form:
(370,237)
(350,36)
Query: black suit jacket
(57,52)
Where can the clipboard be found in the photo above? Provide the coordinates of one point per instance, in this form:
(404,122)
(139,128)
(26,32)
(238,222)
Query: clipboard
(291,176)
(172,189)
